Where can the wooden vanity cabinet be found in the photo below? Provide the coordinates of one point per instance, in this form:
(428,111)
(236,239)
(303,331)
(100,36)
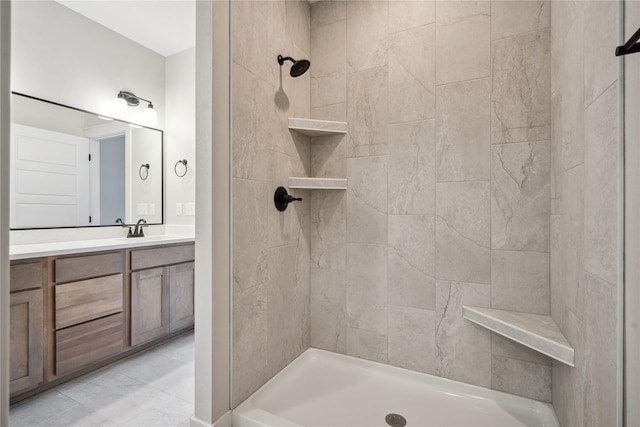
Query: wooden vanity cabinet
(27,324)
(162,283)
(89,304)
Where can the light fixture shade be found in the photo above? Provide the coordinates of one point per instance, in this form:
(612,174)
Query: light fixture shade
(150,116)
(119,107)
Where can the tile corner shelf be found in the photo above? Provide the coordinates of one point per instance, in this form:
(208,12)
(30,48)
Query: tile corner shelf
(535,331)
(318,183)
(312,127)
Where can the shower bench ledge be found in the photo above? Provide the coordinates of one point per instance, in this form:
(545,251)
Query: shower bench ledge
(535,331)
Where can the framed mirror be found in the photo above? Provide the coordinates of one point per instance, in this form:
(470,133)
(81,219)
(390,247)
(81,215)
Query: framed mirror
(73,168)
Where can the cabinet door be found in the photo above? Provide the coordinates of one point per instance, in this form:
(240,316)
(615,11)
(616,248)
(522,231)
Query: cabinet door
(149,304)
(27,346)
(181,281)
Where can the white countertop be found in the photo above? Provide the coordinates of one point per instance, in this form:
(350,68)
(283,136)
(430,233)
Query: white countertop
(37,250)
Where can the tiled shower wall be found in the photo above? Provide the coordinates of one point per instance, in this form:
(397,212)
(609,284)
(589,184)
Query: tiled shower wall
(584,253)
(270,249)
(448,166)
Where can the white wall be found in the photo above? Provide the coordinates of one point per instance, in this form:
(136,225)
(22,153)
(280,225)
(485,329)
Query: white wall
(94,65)
(180,134)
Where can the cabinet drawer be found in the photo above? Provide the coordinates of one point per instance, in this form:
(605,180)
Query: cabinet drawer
(80,346)
(148,258)
(79,302)
(26,276)
(86,267)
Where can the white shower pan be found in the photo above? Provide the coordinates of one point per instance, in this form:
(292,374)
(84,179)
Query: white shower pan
(325,389)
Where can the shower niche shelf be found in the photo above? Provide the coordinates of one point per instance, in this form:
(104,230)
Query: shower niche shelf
(531,330)
(317,183)
(312,127)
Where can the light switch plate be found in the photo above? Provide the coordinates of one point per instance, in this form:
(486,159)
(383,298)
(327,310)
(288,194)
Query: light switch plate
(190,208)
(141,209)
(178,208)
(152,208)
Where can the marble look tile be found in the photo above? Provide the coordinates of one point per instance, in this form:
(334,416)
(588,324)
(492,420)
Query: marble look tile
(505,347)
(600,352)
(367,112)
(367,200)
(520,281)
(249,234)
(287,308)
(411,177)
(521,88)
(463,231)
(249,339)
(601,32)
(329,156)
(328,310)
(463,349)
(463,131)
(149,367)
(42,407)
(330,112)
(511,18)
(250,36)
(571,254)
(328,90)
(367,345)
(180,383)
(601,187)
(412,339)
(328,229)
(367,41)
(181,348)
(463,45)
(406,14)
(367,287)
(521,378)
(164,412)
(412,84)
(520,196)
(328,12)
(78,416)
(328,73)
(411,262)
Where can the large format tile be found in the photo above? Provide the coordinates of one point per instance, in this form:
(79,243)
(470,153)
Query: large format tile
(367,112)
(40,408)
(601,187)
(463,232)
(406,14)
(411,176)
(328,310)
(328,229)
(412,83)
(511,18)
(521,88)
(328,73)
(520,281)
(463,44)
(532,380)
(78,416)
(411,339)
(368,345)
(250,36)
(520,196)
(328,12)
(367,287)
(600,34)
(411,261)
(463,349)
(463,131)
(367,41)
(367,200)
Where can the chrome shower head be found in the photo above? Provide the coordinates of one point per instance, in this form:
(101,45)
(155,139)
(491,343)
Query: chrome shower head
(298,68)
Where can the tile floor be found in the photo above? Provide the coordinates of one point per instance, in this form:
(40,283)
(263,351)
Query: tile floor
(153,389)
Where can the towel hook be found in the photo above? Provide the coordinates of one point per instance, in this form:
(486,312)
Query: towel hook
(146,175)
(175,168)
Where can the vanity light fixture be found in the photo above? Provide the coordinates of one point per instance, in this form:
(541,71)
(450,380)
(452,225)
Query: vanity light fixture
(125,99)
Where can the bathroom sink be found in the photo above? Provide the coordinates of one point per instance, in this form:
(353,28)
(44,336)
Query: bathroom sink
(152,238)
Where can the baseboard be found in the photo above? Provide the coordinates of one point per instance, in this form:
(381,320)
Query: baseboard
(223,421)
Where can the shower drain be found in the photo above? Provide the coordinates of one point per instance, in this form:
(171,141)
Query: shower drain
(395,420)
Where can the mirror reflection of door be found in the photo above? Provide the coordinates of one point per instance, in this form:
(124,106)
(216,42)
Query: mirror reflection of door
(112,179)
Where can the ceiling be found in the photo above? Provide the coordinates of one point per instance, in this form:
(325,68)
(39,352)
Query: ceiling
(164,26)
